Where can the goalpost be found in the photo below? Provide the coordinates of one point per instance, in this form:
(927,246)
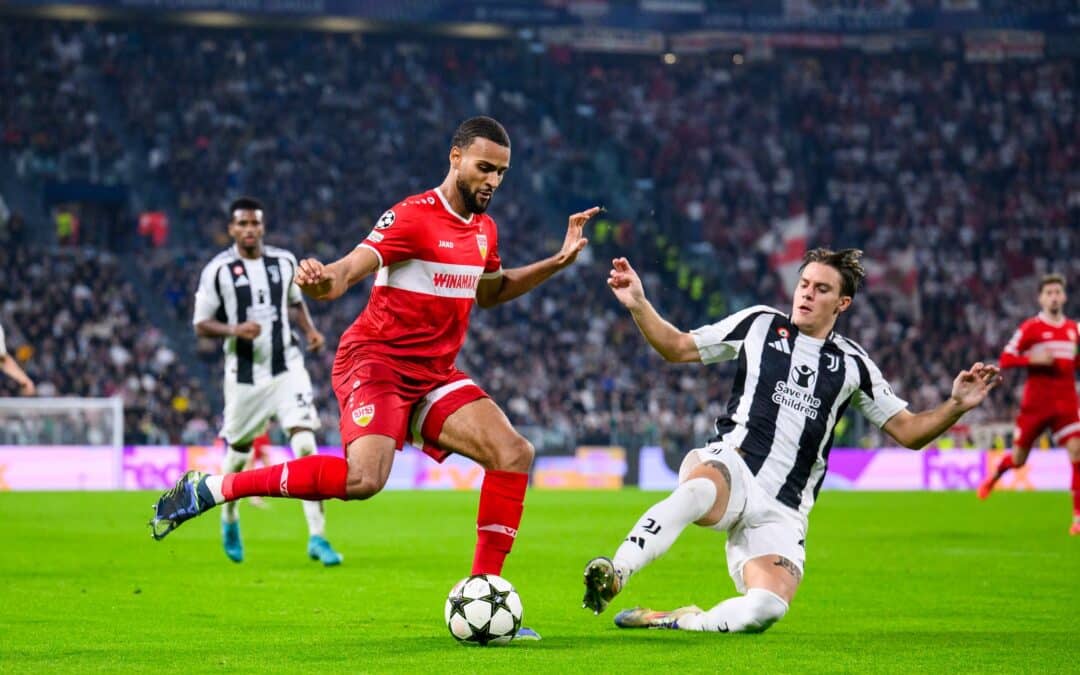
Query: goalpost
(62,422)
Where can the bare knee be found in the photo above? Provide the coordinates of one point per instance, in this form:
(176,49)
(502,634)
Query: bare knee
(513,454)
(370,459)
(1072,446)
(363,484)
(1020,457)
(720,475)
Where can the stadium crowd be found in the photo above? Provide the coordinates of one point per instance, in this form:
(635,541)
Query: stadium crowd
(958,179)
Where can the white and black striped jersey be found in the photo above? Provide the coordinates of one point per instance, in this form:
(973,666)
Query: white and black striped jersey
(233,289)
(789,392)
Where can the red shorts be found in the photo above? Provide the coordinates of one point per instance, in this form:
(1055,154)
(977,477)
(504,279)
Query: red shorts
(1063,422)
(374,398)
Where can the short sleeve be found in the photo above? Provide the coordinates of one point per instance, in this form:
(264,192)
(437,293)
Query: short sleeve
(492,262)
(393,239)
(295,295)
(875,398)
(207,295)
(721,341)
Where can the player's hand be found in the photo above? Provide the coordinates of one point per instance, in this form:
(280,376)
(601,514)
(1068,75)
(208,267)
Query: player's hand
(971,386)
(313,278)
(315,340)
(1041,357)
(249,330)
(625,283)
(574,242)
(27,388)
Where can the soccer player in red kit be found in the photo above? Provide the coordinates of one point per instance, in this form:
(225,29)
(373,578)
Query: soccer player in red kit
(434,255)
(1045,344)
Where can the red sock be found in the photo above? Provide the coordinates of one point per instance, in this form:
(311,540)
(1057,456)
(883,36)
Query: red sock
(311,477)
(1076,489)
(502,499)
(1005,465)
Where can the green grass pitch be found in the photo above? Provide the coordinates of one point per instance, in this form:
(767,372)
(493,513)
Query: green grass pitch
(899,582)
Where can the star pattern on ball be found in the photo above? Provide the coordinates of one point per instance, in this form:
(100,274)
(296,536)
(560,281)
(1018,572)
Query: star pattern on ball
(457,605)
(498,599)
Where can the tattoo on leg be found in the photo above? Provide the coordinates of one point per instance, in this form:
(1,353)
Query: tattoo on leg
(722,468)
(791,567)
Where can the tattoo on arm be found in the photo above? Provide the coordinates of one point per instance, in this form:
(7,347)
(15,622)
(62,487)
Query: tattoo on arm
(722,468)
(791,568)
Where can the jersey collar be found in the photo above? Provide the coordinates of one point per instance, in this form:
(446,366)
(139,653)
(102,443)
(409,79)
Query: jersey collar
(1045,318)
(446,205)
(236,250)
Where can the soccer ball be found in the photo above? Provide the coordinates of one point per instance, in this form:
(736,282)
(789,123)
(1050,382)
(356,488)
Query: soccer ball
(483,609)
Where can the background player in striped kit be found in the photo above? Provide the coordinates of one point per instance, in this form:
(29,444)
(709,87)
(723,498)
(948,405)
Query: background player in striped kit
(245,295)
(1045,345)
(758,479)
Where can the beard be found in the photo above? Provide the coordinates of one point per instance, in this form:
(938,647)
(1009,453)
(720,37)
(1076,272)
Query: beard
(470,199)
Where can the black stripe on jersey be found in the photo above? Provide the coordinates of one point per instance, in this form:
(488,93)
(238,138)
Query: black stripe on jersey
(221,315)
(726,424)
(739,332)
(828,447)
(830,382)
(865,383)
(773,367)
(277,339)
(245,349)
(854,345)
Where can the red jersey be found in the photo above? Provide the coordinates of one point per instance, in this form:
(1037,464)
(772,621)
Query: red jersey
(430,262)
(1046,385)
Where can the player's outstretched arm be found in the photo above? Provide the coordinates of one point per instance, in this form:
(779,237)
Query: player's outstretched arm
(970,388)
(520,280)
(13,370)
(326,282)
(670,342)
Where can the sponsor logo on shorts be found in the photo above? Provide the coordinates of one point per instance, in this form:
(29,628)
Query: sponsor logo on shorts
(363,415)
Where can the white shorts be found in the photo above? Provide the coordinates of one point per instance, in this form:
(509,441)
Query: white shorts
(756,523)
(248,407)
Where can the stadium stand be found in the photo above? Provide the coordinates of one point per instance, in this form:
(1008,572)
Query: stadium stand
(958,179)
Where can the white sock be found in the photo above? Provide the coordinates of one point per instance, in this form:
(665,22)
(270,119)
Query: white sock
(213,483)
(316,518)
(234,461)
(303,444)
(750,613)
(661,525)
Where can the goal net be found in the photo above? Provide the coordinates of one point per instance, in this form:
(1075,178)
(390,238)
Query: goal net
(62,421)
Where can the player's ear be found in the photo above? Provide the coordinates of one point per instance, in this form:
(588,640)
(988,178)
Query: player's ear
(845,302)
(455,158)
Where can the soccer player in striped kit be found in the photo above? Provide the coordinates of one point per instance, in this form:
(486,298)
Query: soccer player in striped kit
(244,297)
(759,477)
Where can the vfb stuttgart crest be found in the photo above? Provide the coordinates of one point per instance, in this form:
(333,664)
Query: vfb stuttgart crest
(481,241)
(363,415)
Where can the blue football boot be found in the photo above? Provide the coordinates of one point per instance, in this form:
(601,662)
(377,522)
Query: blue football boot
(230,537)
(320,549)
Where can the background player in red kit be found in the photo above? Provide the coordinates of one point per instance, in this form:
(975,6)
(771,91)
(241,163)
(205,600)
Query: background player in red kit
(435,253)
(1045,344)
